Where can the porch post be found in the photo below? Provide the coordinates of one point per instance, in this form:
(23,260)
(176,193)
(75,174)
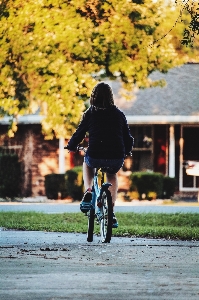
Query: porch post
(171,151)
(61,156)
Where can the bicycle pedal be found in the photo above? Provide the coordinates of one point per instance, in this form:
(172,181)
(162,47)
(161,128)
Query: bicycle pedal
(85,206)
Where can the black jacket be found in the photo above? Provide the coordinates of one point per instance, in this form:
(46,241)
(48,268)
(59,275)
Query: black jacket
(109,135)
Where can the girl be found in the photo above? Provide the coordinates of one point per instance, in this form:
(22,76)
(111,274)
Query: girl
(109,140)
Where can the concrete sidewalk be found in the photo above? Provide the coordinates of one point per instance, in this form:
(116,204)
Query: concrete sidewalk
(42,266)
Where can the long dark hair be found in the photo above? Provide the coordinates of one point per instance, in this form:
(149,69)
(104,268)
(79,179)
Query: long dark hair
(102,96)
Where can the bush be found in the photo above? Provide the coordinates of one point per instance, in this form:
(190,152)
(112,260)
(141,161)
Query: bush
(147,183)
(153,185)
(169,185)
(10,176)
(55,184)
(74,183)
(69,184)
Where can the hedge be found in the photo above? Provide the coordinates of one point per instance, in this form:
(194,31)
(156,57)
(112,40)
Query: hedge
(69,184)
(151,185)
(74,183)
(169,186)
(55,184)
(10,176)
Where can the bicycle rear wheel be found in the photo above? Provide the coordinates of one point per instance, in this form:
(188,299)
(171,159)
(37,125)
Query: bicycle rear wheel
(106,217)
(91,217)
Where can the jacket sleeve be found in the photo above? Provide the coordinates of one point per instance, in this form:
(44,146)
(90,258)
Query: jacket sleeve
(127,137)
(79,134)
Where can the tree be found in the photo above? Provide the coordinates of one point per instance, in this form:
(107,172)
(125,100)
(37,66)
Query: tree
(188,16)
(54,51)
(175,24)
(192,29)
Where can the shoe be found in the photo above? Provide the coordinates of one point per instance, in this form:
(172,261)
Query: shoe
(85,204)
(115,222)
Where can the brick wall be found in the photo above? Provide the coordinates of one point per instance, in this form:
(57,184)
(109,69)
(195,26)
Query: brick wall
(38,156)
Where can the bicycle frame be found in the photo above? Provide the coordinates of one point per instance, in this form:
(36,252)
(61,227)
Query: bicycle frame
(97,191)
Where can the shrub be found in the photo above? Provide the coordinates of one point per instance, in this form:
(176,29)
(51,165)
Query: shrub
(69,184)
(169,185)
(74,183)
(55,184)
(10,175)
(147,182)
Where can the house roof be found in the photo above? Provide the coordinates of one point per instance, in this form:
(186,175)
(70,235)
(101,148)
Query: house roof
(26,119)
(177,102)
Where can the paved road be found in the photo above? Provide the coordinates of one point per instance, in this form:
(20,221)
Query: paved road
(61,266)
(120,207)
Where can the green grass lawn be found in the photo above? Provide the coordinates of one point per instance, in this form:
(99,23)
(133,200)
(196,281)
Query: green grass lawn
(169,226)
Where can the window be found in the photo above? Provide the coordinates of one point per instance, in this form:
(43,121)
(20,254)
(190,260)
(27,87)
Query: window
(142,157)
(142,136)
(190,136)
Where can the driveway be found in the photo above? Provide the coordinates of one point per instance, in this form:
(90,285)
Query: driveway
(44,266)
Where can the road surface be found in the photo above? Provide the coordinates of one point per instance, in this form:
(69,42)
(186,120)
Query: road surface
(120,207)
(61,266)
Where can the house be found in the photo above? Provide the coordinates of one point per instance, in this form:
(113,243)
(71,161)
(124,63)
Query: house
(164,122)
(165,125)
(38,156)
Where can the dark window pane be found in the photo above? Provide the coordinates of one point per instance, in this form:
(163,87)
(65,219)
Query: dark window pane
(187,179)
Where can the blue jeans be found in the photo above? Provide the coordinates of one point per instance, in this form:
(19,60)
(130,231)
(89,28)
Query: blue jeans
(111,166)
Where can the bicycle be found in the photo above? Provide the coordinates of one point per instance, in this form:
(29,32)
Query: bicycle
(100,207)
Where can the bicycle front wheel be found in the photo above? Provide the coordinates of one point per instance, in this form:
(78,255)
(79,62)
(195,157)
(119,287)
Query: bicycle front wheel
(106,219)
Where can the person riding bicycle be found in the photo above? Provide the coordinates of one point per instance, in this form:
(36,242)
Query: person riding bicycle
(110,140)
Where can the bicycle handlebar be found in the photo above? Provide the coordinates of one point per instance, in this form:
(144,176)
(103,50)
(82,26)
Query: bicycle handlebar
(81,148)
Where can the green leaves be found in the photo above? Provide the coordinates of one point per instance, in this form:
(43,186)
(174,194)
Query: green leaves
(52,50)
(192,8)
